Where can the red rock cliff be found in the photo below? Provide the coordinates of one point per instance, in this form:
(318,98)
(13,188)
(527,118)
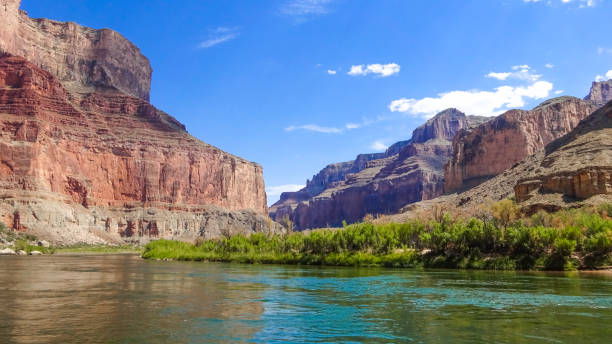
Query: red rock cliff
(493,147)
(572,169)
(80,57)
(101,153)
(85,158)
(408,172)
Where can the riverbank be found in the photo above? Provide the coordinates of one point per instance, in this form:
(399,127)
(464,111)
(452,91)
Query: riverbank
(98,249)
(568,240)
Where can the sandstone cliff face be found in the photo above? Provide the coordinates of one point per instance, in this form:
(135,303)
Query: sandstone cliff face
(575,167)
(80,57)
(493,147)
(100,167)
(601,92)
(381,183)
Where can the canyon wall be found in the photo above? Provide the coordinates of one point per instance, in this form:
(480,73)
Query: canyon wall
(408,172)
(80,57)
(493,147)
(574,168)
(601,92)
(82,161)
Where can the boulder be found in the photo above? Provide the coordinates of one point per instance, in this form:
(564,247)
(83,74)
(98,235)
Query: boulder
(7,252)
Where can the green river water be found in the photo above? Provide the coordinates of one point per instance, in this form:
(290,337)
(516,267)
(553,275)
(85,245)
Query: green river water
(125,299)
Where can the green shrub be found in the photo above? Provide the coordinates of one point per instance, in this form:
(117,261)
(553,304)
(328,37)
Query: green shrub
(542,241)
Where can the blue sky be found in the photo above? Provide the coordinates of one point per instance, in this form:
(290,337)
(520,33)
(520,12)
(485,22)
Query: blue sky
(297,84)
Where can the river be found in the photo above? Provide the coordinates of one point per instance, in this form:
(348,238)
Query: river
(125,299)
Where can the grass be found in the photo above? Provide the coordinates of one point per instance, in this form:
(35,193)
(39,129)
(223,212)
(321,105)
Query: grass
(500,240)
(97,249)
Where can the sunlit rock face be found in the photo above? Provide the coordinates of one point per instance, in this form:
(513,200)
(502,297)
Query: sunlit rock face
(383,183)
(601,92)
(493,147)
(80,57)
(85,158)
(575,168)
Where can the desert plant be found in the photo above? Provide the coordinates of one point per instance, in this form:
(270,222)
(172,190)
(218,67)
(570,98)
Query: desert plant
(505,212)
(287,223)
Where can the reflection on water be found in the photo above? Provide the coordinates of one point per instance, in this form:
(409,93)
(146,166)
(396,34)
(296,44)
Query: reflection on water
(124,299)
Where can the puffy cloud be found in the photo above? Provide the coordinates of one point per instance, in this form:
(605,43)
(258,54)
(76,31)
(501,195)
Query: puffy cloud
(605,77)
(382,70)
(522,72)
(218,36)
(549,65)
(331,72)
(378,146)
(499,76)
(474,102)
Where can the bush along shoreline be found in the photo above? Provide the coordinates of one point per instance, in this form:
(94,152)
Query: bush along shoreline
(498,240)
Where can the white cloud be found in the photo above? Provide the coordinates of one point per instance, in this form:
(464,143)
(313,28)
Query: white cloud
(582,3)
(218,36)
(605,77)
(315,128)
(474,102)
(331,72)
(303,10)
(379,69)
(378,146)
(336,130)
(498,76)
(520,67)
(278,190)
(549,65)
(522,72)
(557,92)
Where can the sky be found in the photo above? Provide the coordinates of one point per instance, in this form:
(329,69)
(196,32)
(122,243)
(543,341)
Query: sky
(295,85)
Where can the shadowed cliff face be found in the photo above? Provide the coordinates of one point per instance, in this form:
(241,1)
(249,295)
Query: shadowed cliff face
(83,59)
(495,146)
(382,183)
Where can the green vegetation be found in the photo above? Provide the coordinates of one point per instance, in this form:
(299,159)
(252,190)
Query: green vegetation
(97,249)
(498,239)
(28,248)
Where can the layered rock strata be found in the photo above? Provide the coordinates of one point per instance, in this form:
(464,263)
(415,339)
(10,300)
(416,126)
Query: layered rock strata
(106,167)
(408,172)
(576,167)
(493,147)
(80,57)
(601,92)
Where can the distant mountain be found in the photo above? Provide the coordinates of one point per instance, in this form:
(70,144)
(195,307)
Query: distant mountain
(409,171)
(601,92)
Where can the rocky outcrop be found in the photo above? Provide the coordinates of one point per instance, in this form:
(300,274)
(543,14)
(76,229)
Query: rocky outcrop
(83,59)
(408,172)
(493,147)
(601,92)
(104,167)
(573,168)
